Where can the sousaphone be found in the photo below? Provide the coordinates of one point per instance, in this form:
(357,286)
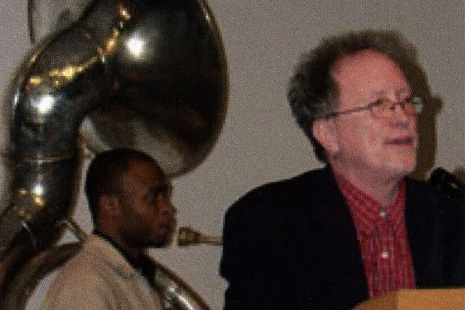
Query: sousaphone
(144,74)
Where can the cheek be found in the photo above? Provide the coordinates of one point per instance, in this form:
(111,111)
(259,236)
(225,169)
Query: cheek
(374,137)
(361,138)
(372,133)
(154,216)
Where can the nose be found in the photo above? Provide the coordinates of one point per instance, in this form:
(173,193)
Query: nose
(400,109)
(172,209)
(171,214)
(401,119)
(168,208)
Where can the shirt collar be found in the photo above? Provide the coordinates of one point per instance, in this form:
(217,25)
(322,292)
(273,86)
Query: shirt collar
(143,264)
(133,262)
(366,211)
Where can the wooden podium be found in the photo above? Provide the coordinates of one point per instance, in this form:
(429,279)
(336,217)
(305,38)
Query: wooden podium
(421,299)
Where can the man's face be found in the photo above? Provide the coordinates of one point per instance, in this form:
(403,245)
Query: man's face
(385,147)
(147,213)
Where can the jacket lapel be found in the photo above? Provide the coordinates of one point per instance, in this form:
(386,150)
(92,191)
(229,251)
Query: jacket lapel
(341,261)
(424,222)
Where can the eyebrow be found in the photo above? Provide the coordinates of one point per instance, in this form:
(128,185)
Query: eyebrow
(160,187)
(401,91)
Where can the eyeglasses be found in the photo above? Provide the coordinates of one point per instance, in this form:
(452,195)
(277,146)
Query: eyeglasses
(384,107)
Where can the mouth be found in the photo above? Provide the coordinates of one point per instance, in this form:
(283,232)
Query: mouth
(401,141)
(166,226)
(169,224)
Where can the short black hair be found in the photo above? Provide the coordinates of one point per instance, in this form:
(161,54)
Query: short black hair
(105,173)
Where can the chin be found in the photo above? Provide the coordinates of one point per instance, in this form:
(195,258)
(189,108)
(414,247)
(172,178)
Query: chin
(410,165)
(395,172)
(404,164)
(403,170)
(164,241)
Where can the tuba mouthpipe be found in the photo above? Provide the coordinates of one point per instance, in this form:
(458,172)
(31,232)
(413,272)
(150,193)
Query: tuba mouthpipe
(188,236)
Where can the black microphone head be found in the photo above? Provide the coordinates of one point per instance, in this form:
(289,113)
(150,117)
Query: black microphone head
(447,182)
(438,175)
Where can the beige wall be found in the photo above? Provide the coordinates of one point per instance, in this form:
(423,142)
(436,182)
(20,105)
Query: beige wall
(260,142)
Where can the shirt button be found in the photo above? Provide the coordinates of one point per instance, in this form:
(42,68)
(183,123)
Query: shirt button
(384,255)
(382,213)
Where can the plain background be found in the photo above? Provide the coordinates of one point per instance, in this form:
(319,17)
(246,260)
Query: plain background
(260,142)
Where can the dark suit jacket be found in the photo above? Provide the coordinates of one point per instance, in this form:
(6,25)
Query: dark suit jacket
(293,245)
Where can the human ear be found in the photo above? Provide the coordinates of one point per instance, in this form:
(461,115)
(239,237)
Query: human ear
(324,131)
(108,206)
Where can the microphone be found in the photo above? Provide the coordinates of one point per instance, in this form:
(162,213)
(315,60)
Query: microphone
(447,183)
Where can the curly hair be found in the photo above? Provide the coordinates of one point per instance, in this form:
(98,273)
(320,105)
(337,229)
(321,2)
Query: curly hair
(312,91)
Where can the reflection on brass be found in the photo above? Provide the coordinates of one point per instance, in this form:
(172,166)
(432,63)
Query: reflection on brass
(143,74)
(188,236)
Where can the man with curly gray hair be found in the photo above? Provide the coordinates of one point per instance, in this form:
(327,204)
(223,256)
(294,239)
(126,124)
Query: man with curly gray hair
(360,227)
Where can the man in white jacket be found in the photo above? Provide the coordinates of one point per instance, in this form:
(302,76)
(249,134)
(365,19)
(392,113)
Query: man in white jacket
(129,199)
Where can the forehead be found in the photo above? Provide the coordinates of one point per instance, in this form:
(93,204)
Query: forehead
(144,173)
(367,73)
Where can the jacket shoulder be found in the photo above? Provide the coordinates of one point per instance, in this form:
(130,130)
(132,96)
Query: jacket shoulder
(273,193)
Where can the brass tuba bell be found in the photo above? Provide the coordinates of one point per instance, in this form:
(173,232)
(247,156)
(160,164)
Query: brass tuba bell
(150,75)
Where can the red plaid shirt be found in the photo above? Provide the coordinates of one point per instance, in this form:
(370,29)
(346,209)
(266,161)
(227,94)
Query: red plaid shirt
(382,234)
